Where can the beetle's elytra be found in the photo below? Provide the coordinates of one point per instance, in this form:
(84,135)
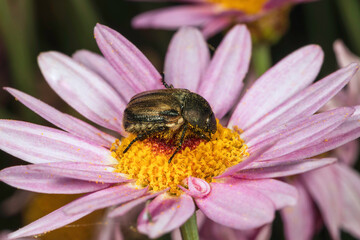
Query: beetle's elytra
(171,109)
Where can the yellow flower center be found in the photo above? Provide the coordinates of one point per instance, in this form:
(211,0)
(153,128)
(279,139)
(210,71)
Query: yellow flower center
(147,160)
(246,6)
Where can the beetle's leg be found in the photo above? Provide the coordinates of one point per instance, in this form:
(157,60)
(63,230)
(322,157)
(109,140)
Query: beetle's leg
(138,137)
(143,136)
(164,83)
(180,144)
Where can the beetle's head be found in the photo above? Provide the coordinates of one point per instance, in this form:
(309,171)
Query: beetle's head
(198,113)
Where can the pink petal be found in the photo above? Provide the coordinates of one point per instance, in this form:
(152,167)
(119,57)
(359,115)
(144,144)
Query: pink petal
(110,230)
(323,187)
(288,129)
(216,25)
(348,153)
(77,209)
(175,17)
(236,206)
(106,198)
(275,169)
(37,144)
(186,59)
(346,132)
(127,60)
(350,194)
(300,133)
(280,193)
(82,89)
(124,208)
(198,188)
(81,171)
(101,66)
(64,121)
(54,220)
(223,80)
(164,214)
(214,231)
(299,220)
(278,84)
(24,177)
(345,57)
(305,103)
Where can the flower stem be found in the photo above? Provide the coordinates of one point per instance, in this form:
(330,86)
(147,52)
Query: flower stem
(261,58)
(189,230)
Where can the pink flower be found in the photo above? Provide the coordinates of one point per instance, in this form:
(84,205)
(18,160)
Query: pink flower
(212,16)
(330,194)
(280,134)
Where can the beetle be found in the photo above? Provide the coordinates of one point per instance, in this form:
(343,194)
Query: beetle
(171,109)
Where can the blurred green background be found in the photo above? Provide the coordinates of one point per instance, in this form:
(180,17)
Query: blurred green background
(28,27)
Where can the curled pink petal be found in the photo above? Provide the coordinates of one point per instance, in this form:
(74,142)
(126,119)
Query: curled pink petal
(197,187)
(24,177)
(164,214)
(223,79)
(236,206)
(186,59)
(127,60)
(37,144)
(279,83)
(82,89)
(62,120)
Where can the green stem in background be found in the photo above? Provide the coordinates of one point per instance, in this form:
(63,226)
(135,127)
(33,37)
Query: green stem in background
(350,13)
(87,18)
(189,230)
(17,32)
(261,58)
(13,29)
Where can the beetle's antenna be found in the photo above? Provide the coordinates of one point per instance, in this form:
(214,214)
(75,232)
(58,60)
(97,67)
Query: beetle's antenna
(180,144)
(164,83)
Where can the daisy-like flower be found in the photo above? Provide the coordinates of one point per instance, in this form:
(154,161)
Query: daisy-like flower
(213,16)
(332,193)
(272,132)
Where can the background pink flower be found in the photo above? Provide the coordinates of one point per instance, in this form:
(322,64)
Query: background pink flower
(211,16)
(330,195)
